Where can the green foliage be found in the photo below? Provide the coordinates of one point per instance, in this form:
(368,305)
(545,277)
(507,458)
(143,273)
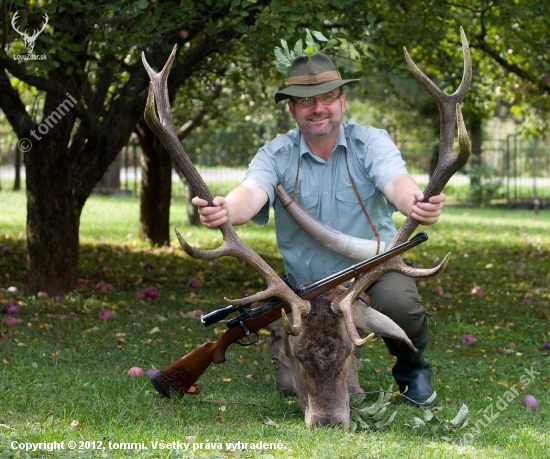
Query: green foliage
(373,416)
(485,186)
(431,424)
(285,56)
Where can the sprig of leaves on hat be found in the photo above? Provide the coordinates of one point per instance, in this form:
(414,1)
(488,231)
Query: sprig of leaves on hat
(285,56)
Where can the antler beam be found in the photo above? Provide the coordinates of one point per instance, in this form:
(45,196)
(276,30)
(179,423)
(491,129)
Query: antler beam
(160,122)
(448,164)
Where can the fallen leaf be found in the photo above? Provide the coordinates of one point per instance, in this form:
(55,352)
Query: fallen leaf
(75,425)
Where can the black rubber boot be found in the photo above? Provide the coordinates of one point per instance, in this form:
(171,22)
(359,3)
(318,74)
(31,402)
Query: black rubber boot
(412,370)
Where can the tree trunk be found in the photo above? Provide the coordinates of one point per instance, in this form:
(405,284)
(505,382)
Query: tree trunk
(53,215)
(476,173)
(17,164)
(156,187)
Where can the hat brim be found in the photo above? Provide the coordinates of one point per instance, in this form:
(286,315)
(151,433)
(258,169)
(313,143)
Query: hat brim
(297,90)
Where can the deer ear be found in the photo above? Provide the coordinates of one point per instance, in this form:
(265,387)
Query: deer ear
(370,320)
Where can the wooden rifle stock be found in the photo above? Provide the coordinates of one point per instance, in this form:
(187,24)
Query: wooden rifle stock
(181,375)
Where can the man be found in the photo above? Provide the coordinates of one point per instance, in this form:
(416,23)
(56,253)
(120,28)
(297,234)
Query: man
(351,178)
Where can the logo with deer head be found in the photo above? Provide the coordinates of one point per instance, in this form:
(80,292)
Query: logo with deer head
(28,40)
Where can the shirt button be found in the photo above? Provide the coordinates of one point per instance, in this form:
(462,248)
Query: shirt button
(325,193)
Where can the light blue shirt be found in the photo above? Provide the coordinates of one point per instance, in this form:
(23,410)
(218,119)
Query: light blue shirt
(325,191)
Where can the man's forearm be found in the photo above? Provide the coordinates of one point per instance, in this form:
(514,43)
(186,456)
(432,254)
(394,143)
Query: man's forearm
(244,202)
(400,191)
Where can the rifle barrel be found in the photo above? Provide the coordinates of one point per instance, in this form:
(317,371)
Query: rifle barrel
(318,288)
(323,285)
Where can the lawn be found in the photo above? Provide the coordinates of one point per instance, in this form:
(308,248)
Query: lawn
(64,372)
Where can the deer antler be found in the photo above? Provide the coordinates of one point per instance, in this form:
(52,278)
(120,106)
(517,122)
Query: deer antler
(448,164)
(46,19)
(160,122)
(13,19)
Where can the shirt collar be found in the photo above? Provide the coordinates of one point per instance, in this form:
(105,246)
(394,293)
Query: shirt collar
(340,141)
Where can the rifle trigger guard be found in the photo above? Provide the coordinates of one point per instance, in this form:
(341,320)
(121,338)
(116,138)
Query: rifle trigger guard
(249,338)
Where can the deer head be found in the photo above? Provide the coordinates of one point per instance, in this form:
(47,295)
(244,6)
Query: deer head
(28,40)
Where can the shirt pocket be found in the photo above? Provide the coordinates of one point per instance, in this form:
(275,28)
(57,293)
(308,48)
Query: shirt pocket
(351,219)
(309,203)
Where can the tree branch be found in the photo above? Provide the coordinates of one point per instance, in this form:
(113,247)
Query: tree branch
(12,106)
(511,67)
(47,85)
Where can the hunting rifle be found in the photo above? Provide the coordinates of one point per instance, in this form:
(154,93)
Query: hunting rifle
(180,376)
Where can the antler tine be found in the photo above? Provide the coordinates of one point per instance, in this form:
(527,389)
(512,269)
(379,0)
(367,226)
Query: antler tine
(158,117)
(13,19)
(343,304)
(437,94)
(450,115)
(44,26)
(447,165)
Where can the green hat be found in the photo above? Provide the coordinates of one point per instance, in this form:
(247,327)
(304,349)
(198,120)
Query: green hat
(310,76)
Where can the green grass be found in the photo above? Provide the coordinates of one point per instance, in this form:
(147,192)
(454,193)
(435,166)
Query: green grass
(62,364)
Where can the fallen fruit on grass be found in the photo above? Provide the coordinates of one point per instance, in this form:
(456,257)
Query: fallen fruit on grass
(103,287)
(546,346)
(151,292)
(11,307)
(198,312)
(437,290)
(135,371)
(467,339)
(105,314)
(140,295)
(477,290)
(530,401)
(81,282)
(194,283)
(147,266)
(11,322)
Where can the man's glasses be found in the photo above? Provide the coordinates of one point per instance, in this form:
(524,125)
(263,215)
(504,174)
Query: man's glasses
(325,99)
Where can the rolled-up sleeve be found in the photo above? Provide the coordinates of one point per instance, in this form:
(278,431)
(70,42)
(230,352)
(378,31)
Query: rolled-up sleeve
(383,160)
(262,173)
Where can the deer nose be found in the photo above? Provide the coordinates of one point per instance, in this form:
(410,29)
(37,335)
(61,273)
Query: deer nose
(330,421)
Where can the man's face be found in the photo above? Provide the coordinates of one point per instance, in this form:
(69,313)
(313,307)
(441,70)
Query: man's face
(318,119)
